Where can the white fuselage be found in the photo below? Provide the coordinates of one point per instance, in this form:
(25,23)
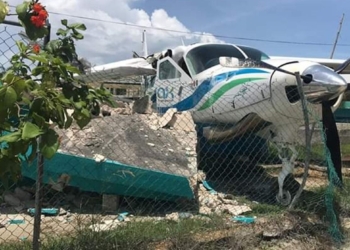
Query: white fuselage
(225,95)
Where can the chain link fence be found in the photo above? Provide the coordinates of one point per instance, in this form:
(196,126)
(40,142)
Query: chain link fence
(140,177)
(15,201)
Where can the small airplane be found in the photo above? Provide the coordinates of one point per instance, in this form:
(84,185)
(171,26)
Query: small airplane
(239,90)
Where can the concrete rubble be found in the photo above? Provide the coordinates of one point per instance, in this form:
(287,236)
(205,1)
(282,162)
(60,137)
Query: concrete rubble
(211,202)
(143,138)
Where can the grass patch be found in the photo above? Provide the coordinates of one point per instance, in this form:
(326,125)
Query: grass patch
(262,209)
(134,235)
(187,234)
(314,200)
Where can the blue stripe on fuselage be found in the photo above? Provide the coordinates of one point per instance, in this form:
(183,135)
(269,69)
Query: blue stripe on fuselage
(205,86)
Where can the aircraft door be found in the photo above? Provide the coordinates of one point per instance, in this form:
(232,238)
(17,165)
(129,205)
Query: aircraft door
(172,85)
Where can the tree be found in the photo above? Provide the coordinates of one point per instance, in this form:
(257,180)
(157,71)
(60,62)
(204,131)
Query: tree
(36,99)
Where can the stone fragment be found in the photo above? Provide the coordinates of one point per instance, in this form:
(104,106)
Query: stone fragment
(12,200)
(167,117)
(22,195)
(142,106)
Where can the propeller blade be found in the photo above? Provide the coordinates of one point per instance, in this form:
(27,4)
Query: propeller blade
(343,66)
(332,139)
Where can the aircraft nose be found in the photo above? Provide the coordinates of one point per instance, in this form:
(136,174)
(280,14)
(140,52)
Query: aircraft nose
(325,84)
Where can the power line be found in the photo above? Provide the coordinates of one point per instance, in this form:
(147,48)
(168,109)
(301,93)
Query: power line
(194,33)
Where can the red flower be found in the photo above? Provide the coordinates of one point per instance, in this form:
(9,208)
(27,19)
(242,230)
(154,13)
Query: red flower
(36,48)
(37,7)
(39,15)
(37,21)
(43,14)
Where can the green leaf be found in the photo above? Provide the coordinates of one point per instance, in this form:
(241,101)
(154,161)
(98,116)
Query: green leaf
(63,71)
(38,58)
(15,58)
(82,118)
(21,10)
(53,46)
(9,98)
(19,86)
(9,76)
(85,113)
(37,105)
(61,116)
(31,131)
(21,46)
(79,105)
(72,69)
(38,70)
(39,119)
(78,36)
(49,144)
(4,9)
(64,100)
(12,137)
(64,22)
(78,26)
(19,147)
(61,32)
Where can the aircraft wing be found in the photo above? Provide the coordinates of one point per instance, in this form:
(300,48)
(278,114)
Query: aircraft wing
(332,63)
(117,70)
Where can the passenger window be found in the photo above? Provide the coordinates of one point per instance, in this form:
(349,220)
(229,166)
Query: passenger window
(168,71)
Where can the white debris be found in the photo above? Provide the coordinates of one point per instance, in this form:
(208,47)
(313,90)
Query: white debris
(215,202)
(104,226)
(99,158)
(61,183)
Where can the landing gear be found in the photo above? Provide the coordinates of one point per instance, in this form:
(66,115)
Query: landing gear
(284,197)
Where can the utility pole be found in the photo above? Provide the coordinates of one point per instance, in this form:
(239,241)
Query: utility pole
(336,39)
(144,44)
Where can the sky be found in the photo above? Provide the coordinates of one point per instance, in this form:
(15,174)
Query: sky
(299,21)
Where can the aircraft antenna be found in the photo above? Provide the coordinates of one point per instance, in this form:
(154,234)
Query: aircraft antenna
(336,39)
(182,41)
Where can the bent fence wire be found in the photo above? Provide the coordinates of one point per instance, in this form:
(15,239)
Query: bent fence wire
(153,179)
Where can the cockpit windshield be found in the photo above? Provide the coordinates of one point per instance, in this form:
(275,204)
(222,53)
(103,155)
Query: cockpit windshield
(207,56)
(254,53)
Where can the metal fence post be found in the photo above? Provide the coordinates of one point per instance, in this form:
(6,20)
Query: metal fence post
(40,172)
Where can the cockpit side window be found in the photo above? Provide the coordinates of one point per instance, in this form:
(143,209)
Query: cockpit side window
(167,71)
(207,56)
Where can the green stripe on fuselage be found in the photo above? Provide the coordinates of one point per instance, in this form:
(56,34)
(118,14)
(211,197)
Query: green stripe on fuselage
(221,91)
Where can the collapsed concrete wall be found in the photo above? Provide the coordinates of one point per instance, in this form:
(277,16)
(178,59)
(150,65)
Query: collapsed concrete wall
(134,135)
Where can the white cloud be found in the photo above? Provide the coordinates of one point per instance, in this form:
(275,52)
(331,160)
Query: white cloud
(107,42)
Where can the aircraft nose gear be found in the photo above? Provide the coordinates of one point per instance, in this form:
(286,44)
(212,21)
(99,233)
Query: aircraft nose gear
(284,197)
